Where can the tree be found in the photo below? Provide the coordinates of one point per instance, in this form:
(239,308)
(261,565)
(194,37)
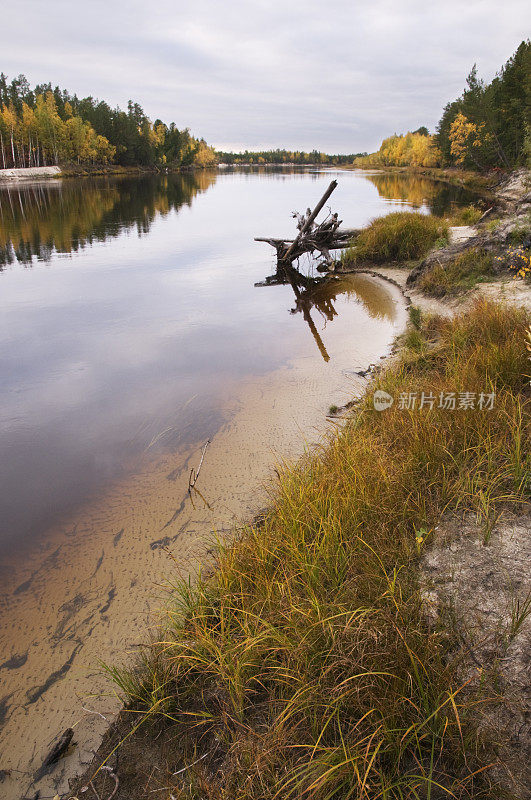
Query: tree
(464,137)
(49,125)
(409,150)
(500,112)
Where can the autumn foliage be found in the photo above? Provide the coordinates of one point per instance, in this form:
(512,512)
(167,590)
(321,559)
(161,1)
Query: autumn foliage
(38,136)
(488,126)
(410,150)
(42,126)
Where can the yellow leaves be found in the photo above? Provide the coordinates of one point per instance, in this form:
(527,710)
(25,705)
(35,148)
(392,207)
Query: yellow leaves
(465,135)
(157,134)
(460,132)
(41,136)
(411,150)
(28,117)
(9,117)
(518,261)
(105,151)
(204,156)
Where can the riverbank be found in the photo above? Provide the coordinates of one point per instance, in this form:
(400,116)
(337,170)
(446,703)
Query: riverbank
(318,657)
(28,174)
(445,257)
(484,183)
(8,176)
(93,588)
(306,659)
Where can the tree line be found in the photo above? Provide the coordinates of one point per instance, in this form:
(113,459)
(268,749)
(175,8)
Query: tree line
(413,149)
(488,126)
(45,125)
(285,157)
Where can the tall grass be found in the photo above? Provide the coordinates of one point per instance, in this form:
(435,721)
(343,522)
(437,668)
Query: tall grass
(469,215)
(456,276)
(400,236)
(304,667)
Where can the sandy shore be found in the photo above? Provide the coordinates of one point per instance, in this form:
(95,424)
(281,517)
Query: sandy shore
(89,594)
(28,173)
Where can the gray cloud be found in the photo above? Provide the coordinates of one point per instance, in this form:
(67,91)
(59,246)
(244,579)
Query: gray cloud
(297,74)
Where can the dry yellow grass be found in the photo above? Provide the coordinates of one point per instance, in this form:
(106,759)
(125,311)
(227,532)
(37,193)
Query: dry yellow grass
(399,236)
(304,668)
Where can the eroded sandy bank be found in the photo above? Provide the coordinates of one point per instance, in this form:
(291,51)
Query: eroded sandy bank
(28,173)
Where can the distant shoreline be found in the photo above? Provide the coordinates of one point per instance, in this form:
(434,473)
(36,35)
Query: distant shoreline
(460,177)
(83,171)
(28,173)
(8,176)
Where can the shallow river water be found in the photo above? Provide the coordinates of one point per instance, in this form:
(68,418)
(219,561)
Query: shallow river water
(133,332)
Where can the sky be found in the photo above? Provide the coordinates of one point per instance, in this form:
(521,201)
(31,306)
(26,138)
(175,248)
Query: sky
(337,76)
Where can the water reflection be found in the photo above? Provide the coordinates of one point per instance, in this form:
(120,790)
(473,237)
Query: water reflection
(65,216)
(322,294)
(139,319)
(418,191)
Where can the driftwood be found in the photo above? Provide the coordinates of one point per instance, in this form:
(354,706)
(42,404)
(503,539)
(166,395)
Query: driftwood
(192,480)
(311,237)
(311,292)
(306,225)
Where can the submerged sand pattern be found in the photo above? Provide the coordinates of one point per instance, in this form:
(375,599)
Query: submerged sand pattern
(88,595)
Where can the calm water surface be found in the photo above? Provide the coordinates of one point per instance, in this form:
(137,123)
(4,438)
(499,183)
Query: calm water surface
(129,313)
(131,332)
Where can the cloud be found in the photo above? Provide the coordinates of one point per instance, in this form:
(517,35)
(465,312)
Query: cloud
(337,76)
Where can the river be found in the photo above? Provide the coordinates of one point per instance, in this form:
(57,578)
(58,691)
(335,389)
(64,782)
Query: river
(133,332)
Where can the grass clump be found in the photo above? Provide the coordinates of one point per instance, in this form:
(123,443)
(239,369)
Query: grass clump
(469,215)
(304,667)
(521,235)
(463,273)
(442,241)
(400,236)
(414,338)
(415,317)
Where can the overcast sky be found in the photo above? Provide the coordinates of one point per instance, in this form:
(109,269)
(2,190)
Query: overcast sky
(337,76)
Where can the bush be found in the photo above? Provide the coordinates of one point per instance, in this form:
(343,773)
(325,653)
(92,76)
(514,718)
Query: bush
(400,236)
(518,260)
(458,275)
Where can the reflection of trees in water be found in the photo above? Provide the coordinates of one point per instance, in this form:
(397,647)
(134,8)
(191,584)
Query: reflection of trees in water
(65,216)
(321,294)
(374,297)
(415,189)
